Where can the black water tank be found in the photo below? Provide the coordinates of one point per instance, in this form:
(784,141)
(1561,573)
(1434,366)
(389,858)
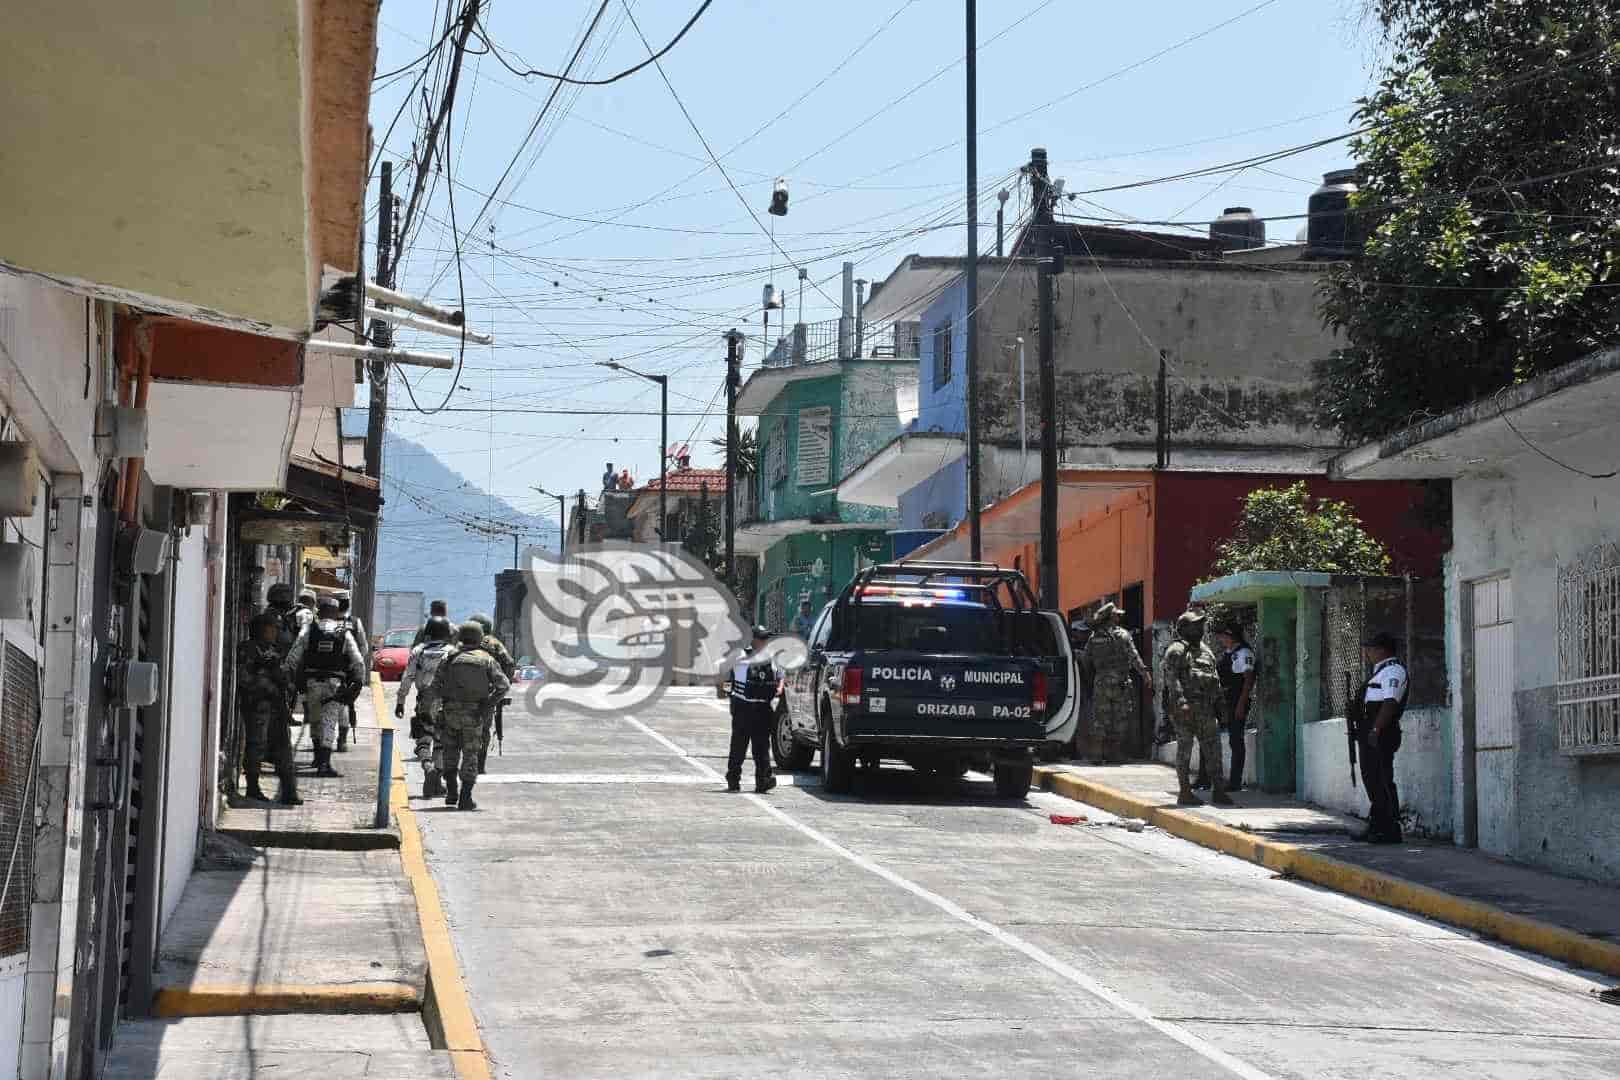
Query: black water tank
(1332,231)
(1237,229)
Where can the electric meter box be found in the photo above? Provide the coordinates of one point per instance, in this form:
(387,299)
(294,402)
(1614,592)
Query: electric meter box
(120,431)
(18,578)
(19,479)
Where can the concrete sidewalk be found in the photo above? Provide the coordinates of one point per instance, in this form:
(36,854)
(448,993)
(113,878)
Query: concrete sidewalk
(1567,919)
(302,943)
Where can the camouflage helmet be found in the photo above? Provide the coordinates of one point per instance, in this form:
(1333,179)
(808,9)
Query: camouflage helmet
(482,620)
(263,619)
(1106,611)
(280,595)
(307,596)
(1189,619)
(470,633)
(438,629)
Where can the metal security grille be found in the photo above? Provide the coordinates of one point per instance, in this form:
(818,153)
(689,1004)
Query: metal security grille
(1343,627)
(19,720)
(1588,691)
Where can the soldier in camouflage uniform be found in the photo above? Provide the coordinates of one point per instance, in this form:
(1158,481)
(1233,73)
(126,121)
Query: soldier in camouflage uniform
(262,692)
(1195,701)
(1108,661)
(420,672)
(492,645)
(469,684)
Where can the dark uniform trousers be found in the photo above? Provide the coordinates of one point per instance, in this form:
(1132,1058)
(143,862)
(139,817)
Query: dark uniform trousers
(750,727)
(1378,776)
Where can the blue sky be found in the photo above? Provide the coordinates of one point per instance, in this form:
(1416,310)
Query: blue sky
(1114,91)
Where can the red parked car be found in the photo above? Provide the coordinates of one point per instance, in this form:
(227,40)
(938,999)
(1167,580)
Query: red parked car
(393,652)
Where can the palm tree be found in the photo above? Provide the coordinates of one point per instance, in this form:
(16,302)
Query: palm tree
(747,453)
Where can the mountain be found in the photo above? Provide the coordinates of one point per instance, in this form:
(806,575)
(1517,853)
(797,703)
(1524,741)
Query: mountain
(443,534)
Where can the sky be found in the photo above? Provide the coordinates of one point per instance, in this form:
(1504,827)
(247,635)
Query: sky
(614,237)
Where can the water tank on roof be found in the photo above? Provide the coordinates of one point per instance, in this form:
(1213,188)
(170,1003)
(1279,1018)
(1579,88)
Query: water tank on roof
(1333,231)
(1237,229)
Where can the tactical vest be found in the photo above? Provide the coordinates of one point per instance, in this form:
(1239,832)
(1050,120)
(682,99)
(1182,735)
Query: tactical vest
(464,677)
(324,652)
(428,662)
(753,682)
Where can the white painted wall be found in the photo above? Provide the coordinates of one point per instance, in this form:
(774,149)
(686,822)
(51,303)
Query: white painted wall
(1422,771)
(12,982)
(188,717)
(1251,759)
(1534,803)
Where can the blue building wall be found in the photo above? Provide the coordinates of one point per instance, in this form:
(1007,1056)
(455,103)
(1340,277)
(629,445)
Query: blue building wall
(937,502)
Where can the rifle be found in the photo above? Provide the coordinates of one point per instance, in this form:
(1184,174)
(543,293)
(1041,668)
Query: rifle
(500,727)
(1352,717)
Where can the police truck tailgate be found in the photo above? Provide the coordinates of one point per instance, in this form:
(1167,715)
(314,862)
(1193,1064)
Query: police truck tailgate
(921,694)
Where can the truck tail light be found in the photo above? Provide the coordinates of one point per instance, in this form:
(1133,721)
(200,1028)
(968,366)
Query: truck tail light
(1038,694)
(852,686)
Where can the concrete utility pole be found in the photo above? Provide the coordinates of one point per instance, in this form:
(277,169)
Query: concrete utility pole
(734,342)
(1001,221)
(975,538)
(663,439)
(581,513)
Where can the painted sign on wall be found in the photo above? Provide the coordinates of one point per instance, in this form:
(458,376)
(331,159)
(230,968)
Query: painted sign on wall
(815,445)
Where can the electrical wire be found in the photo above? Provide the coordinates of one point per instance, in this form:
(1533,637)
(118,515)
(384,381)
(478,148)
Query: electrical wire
(625,74)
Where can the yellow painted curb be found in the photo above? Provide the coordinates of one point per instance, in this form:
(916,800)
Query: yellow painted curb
(447,1010)
(226,1000)
(1521,931)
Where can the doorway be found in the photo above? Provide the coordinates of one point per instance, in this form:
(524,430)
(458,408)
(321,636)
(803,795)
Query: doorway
(1489,733)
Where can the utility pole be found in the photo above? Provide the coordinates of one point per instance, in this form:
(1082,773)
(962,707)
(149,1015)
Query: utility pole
(1049,268)
(975,539)
(734,342)
(581,513)
(562,515)
(382,334)
(1001,221)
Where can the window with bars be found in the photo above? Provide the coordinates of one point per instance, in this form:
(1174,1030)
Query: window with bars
(19,717)
(942,354)
(1588,691)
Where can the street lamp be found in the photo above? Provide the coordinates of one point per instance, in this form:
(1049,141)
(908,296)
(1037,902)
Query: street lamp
(663,437)
(562,515)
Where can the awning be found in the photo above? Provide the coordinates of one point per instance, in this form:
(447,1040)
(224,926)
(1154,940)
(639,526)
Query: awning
(760,536)
(1016,520)
(899,467)
(1567,414)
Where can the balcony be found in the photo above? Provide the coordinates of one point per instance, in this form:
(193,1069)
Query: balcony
(819,342)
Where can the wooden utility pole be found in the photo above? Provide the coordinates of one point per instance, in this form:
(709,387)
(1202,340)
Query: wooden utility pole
(382,334)
(1050,265)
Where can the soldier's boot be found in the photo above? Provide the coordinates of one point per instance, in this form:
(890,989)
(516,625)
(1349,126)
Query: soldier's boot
(288,795)
(451,782)
(254,791)
(323,763)
(432,786)
(465,802)
(1221,798)
(1185,796)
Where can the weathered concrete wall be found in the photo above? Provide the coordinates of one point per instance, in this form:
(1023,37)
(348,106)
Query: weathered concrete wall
(1534,803)
(1240,341)
(1422,771)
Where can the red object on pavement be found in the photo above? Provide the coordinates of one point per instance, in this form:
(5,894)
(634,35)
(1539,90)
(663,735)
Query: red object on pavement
(1067,819)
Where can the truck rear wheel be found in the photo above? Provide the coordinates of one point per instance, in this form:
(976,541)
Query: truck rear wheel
(837,764)
(791,756)
(1013,779)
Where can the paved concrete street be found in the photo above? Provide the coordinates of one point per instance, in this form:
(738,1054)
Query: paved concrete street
(617,914)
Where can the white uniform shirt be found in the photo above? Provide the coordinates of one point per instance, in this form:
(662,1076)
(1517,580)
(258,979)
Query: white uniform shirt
(1388,682)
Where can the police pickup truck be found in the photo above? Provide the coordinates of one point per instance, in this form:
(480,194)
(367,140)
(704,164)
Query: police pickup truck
(944,666)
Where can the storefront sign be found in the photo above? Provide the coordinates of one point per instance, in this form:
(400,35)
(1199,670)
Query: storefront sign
(815,445)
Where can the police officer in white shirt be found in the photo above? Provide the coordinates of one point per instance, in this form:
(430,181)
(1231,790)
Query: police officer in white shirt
(755,681)
(1383,700)
(1238,671)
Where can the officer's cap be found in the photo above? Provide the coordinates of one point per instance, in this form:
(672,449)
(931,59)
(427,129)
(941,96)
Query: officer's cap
(761,634)
(328,603)
(470,633)
(1106,611)
(307,596)
(1381,640)
(1079,626)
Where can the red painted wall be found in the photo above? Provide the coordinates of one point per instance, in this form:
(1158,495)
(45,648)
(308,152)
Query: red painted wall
(1196,511)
